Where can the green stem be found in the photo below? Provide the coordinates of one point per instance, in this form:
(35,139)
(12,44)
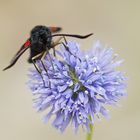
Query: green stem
(90,135)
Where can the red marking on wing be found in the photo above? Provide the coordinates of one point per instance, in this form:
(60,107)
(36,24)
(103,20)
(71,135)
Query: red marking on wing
(27,43)
(23,48)
(55,29)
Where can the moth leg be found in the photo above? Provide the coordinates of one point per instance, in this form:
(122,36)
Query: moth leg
(67,48)
(36,67)
(34,61)
(54,53)
(50,59)
(45,66)
(65,44)
(57,42)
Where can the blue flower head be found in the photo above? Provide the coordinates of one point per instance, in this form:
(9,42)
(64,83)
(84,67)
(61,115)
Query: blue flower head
(78,85)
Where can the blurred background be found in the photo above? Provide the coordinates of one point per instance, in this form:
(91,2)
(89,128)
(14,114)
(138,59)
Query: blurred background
(116,23)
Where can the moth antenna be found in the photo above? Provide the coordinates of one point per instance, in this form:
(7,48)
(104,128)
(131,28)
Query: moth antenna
(73,35)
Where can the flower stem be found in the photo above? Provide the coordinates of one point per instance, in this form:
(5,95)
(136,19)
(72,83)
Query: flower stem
(90,135)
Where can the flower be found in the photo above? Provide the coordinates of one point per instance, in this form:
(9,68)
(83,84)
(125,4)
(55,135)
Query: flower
(77,86)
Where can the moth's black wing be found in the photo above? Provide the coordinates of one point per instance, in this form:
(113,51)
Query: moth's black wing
(23,48)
